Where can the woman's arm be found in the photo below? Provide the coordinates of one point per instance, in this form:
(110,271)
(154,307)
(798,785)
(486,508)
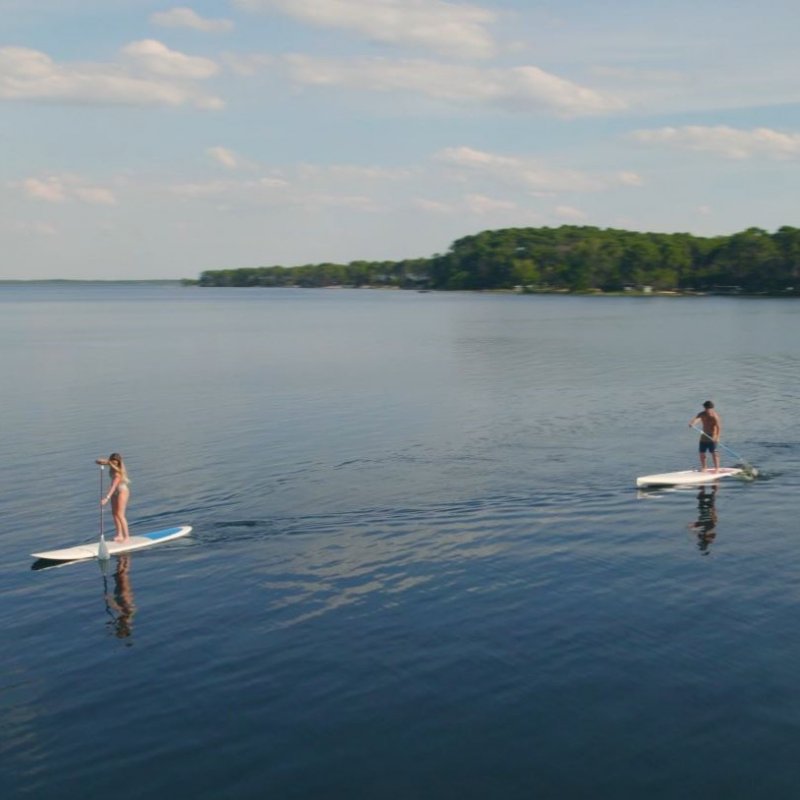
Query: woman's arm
(112,488)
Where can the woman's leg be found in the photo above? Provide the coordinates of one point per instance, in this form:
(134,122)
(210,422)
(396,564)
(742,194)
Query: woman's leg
(115,515)
(120,520)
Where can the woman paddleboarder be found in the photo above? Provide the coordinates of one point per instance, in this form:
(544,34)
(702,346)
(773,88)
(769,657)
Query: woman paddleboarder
(118,494)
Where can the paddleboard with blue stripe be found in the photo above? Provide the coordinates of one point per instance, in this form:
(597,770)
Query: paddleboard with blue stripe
(83,552)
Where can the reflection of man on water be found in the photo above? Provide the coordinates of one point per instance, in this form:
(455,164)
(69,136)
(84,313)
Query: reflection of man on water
(706,525)
(121,601)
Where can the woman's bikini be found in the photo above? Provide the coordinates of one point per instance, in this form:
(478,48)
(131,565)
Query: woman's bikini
(123,484)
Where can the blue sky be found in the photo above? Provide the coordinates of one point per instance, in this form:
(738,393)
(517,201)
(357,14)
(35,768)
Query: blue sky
(149,140)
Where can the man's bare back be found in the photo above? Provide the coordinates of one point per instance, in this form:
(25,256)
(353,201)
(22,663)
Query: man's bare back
(712,430)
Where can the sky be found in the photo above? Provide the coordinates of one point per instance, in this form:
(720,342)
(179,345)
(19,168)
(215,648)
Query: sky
(145,140)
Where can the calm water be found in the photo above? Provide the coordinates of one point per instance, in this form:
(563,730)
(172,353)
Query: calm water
(419,568)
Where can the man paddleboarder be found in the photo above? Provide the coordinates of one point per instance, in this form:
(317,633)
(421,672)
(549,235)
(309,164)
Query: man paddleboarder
(709,438)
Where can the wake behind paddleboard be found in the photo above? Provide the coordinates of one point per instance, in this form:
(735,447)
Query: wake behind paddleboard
(689,477)
(139,542)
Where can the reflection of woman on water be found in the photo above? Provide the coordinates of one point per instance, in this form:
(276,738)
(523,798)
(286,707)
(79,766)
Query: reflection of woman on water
(121,601)
(706,525)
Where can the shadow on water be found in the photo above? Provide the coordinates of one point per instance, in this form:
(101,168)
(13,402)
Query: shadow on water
(705,526)
(119,601)
(706,522)
(117,590)
(45,563)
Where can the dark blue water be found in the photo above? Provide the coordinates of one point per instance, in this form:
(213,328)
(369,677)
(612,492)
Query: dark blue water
(419,568)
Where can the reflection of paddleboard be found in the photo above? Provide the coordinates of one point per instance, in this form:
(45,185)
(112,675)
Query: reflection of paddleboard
(689,477)
(84,551)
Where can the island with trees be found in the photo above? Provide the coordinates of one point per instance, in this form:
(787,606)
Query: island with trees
(565,259)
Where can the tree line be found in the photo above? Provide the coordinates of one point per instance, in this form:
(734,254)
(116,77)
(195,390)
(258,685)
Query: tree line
(571,258)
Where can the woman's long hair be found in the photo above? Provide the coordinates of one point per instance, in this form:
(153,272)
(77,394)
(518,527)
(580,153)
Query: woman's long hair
(117,465)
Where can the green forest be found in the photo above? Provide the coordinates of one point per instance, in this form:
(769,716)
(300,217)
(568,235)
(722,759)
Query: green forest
(567,258)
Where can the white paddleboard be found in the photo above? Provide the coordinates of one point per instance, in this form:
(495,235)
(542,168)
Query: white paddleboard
(689,477)
(138,542)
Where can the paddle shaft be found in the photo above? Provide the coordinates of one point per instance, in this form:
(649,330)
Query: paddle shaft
(102,547)
(101,501)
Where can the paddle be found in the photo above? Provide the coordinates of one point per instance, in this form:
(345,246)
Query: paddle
(748,469)
(102,548)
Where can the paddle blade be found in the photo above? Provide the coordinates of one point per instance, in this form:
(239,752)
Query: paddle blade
(748,471)
(102,550)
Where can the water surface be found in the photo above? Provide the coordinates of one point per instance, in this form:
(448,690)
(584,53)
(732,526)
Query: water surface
(419,567)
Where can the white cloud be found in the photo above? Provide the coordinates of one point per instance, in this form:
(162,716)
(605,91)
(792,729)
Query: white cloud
(527,172)
(248,64)
(27,74)
(308,184)
(95,195)
(183,17)
(464,181)
(447,28)
(205,189)
(570,212)
(263,188)
(271,190)
(481,204)
(224,156)
(273,183)
(356,172)
(468,157)
(435,206)
(627,178)
(313,187)
(724,141)
(208,102)
(49,189)
(357,202)
(525,89)
(62,188)
(157,58)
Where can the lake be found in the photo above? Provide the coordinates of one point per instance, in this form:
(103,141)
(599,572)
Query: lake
(419,567)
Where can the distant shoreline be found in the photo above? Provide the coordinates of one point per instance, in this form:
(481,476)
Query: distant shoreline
(526,290)
(159,281)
